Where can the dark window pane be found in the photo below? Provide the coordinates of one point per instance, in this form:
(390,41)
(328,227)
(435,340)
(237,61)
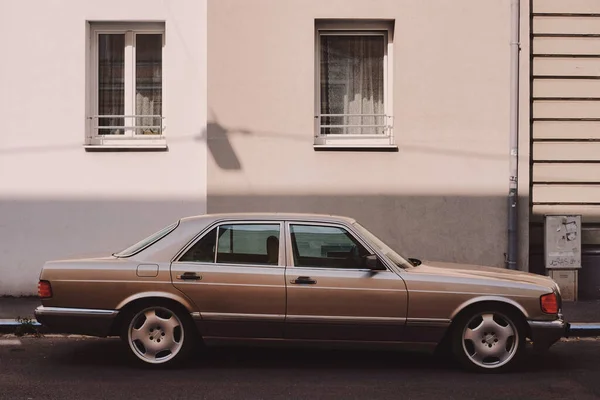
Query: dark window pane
(352,83)
(111,82)
(248,244)
(326,247)
(148,82)
(203,250)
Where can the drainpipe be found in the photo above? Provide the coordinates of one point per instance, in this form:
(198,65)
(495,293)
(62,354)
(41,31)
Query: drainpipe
(513,241)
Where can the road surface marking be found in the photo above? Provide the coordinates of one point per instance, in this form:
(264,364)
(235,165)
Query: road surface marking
(10,342)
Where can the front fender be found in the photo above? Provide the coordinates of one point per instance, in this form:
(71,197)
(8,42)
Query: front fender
(495,299)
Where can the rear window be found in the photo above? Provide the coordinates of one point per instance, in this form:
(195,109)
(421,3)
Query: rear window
(142,244)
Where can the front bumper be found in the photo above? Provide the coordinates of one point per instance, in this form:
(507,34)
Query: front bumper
(545,333)
(80,321)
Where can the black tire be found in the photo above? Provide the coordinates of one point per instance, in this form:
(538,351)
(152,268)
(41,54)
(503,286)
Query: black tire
(168,314)
(486,350)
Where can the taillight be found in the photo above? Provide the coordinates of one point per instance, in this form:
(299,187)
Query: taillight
(549,303)
(44,289)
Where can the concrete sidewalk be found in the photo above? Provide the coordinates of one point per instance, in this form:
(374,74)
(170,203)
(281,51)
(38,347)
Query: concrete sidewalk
(12,308)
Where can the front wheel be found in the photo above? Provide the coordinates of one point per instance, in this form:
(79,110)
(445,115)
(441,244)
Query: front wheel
(488,340)
(158,335)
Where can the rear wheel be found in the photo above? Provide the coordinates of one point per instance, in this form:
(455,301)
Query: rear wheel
(159,335)
(488,339)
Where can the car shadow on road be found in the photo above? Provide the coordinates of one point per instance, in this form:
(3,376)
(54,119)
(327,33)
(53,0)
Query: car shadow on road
(113,353)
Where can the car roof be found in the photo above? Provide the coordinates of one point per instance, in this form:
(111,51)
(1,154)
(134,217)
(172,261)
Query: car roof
(207,219)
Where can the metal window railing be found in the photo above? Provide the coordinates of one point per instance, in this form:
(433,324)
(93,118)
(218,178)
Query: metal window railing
(383,129)
(126,126)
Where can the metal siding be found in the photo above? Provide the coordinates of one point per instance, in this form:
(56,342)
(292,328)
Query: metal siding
(566,130)
(566,6)
(565,25)
(579,194)
(566,87)
(566,108)
(589,213)
(566,45)
(567,66)
(566,151)
(566,172)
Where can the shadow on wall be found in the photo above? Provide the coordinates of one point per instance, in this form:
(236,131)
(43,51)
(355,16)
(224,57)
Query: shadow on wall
(218,140)
(445,228)
(35,231)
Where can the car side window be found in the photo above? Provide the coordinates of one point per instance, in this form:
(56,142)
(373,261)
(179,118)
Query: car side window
(326,247)
(203,250)
(248,244)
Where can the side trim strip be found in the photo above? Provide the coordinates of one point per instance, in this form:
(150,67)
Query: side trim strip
(210,316)
(41,310)
(428,321)
(339,319)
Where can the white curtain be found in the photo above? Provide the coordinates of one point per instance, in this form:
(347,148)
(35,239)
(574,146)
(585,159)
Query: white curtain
(352,83)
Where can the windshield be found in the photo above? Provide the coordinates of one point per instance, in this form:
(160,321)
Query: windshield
(142,244)
(384,248)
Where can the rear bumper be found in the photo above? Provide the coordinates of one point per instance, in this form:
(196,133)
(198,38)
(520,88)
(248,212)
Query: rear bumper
(80,321)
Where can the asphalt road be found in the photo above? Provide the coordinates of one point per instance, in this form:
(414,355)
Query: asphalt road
(87,368)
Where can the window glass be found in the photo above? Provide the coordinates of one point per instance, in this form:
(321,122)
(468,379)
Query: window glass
(148,83)
(248,244)
(326,247)
(111,83)
(147,241)
(352,84)
(203,250)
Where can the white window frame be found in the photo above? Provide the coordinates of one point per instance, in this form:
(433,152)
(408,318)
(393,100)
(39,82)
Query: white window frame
(338,28)
(129,139)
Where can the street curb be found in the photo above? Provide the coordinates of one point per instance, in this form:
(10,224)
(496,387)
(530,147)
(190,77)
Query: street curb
(14,325)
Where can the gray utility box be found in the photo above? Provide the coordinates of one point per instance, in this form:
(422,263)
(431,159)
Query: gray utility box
(562,252)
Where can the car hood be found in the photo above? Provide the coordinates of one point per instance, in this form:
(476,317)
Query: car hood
(479,271)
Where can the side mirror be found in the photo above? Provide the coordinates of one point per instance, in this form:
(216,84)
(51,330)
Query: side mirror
(373,263)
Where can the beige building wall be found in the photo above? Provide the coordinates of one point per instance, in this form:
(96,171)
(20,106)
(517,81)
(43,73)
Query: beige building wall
(58,200)
(442,195)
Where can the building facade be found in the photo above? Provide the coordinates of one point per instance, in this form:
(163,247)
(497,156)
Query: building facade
(393,112)
(73,183)
(123,116)
(565,126)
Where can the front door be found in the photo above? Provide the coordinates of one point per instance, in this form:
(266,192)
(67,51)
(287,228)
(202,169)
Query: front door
(235,276)
(332,295)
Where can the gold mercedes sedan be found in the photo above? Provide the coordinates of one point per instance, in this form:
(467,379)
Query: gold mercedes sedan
(295,279)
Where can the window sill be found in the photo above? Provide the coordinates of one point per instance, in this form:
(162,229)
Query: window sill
(356,147)
(126,144)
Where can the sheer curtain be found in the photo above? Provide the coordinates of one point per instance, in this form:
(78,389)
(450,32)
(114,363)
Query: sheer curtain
(148,82)
(352,83)
(111,82)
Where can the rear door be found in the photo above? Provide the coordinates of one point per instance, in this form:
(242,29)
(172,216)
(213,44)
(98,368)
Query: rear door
(332,295)
(234,274)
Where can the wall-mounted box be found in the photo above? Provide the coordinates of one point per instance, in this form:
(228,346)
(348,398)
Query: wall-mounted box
(567,280)
(562,252)
(562,241)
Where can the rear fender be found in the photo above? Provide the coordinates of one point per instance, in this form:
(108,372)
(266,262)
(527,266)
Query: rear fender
(166,295)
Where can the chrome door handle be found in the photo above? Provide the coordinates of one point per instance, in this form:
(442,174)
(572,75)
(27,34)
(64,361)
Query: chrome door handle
(303,280)
(189,276)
